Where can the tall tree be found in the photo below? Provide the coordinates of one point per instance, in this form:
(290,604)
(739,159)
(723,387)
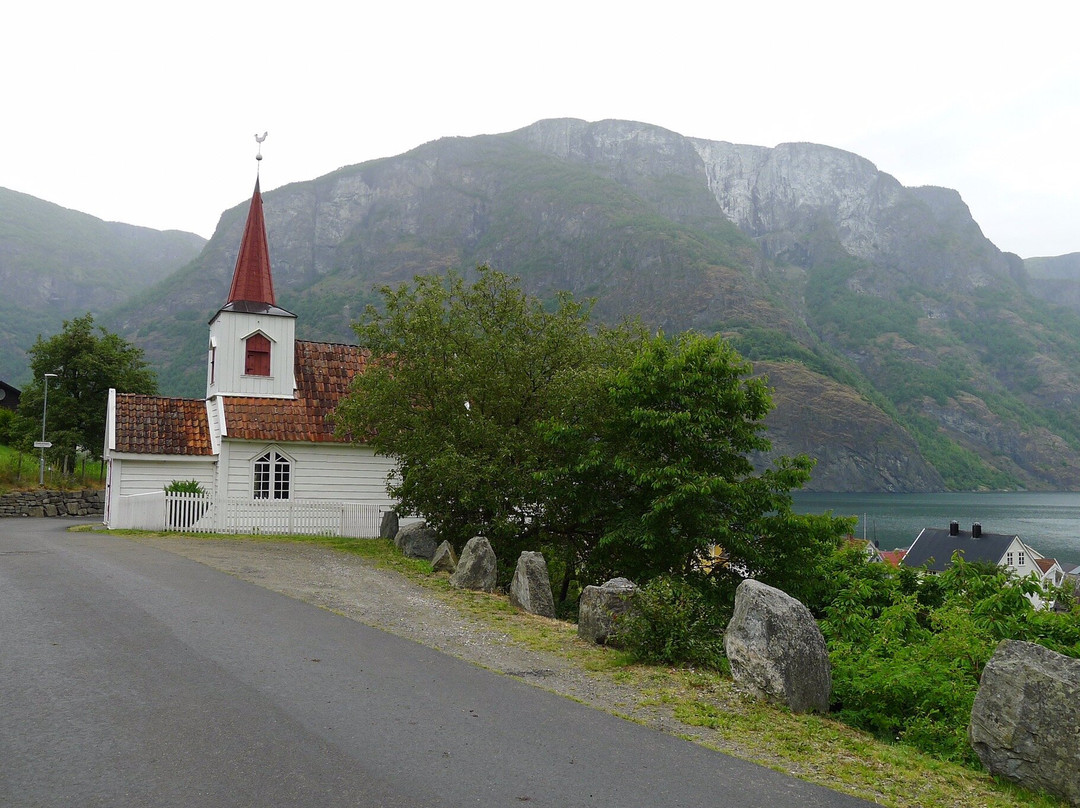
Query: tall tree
(87,361)
(459,378)
(662,470)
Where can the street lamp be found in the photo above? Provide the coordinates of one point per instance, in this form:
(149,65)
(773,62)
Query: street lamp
(44,444)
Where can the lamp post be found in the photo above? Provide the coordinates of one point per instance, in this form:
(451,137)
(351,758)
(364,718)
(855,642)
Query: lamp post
(44,444)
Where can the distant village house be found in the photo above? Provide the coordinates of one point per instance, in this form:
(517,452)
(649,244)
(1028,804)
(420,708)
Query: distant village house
(9,396)
(933,549)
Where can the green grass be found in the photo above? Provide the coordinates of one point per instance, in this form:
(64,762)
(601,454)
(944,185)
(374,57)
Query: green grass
(708,708)
(21,471)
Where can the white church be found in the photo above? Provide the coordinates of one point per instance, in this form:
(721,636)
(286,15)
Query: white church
(261,444)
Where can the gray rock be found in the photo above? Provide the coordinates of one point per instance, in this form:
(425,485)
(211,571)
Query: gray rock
(476,569)
(445,559)
(1023,722)
(776,649)
(388,529)
(601,607)
(417,541)
(531,588)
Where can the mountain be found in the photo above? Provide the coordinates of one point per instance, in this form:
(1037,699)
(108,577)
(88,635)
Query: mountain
(906,350)
(56,264)
(1056,279)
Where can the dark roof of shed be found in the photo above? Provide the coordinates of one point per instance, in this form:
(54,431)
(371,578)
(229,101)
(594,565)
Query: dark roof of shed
(935,547)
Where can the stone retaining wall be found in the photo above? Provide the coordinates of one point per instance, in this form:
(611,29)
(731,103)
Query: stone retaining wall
(52,503)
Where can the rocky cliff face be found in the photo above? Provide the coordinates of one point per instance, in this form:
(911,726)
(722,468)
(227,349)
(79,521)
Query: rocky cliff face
(884,307)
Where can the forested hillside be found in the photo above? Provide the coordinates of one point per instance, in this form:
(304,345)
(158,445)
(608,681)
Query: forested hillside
(56,264)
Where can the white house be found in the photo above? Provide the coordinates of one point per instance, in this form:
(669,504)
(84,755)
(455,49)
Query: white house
(262,442)
(933,549)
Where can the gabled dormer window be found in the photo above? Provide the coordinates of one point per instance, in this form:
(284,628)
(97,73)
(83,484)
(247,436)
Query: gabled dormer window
(257,355)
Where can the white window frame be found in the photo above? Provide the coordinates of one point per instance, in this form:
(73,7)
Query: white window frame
(272,475)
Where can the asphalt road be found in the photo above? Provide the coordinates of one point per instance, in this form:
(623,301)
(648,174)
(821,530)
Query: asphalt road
(130,676)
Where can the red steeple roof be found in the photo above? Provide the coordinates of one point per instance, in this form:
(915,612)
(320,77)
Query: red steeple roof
(251,278)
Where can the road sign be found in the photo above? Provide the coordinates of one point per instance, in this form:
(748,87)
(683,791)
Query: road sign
(42,444)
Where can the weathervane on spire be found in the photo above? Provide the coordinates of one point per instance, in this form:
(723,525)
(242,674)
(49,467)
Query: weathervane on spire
(260,140)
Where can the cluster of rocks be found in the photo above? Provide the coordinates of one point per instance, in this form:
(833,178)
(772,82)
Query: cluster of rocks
(52,503)
(773,643)
(477,568)
(1020,726)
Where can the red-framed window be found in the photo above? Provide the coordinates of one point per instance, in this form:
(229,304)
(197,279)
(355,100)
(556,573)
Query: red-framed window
(257,360)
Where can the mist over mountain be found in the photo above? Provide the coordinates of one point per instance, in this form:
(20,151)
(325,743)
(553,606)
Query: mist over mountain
(56,264)
(906,351)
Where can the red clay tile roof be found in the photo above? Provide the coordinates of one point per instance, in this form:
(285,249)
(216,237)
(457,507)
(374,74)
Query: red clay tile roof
(893,557)
(323,373)
(1045,563)
(156,425)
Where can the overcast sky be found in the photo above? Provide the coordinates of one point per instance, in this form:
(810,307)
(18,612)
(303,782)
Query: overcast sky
(145,112)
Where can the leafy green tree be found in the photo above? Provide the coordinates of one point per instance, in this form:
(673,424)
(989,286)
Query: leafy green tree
(87,360)
(460,375)
(661,468)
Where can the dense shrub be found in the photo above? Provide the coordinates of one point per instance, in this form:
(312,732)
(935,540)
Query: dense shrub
(185,487)
(907,651)
(6,417)
(678,621)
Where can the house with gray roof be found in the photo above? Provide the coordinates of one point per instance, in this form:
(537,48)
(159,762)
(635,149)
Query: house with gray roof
(934,548)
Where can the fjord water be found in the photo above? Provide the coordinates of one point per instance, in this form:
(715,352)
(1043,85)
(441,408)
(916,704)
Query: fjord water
(1048,523)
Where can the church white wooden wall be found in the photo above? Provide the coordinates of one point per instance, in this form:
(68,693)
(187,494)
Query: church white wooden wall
(319,471)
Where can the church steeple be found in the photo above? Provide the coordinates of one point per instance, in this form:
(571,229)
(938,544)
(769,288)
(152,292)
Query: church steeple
(252,281)
(252,341)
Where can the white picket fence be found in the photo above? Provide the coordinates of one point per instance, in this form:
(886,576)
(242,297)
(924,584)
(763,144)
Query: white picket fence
(199,513)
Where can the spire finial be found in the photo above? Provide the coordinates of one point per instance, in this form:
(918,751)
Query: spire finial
(260,140)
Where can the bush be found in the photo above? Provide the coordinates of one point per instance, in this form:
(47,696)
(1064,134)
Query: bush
(677,621)
(6,419)
(907,652)
(185,487)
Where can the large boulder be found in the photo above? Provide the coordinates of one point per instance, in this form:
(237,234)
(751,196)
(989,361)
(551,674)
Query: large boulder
(601,607)
(388,528)
(531,588)
(417,541)
(445,559)
(476,569)
(1023,722)
(776,649)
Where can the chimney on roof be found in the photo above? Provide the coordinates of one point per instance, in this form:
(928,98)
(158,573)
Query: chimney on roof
(976,531)
(954,528)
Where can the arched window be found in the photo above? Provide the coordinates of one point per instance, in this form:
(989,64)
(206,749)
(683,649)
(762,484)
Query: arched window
(272,476)
(257,361)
